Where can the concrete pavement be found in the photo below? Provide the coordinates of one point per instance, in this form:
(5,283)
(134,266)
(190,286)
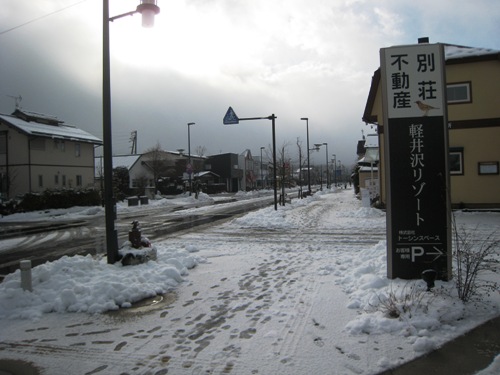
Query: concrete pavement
(466,355)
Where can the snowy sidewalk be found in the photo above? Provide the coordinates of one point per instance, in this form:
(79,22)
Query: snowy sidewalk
(292,292)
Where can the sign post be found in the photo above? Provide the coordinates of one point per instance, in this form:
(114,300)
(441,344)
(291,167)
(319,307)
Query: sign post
(230,118)
(416,150)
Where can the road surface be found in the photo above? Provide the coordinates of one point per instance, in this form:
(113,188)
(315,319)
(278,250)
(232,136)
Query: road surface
(41,241)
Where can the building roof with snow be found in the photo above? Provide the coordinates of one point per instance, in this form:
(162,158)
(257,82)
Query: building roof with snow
(40,125)
(454,52)
(126,161)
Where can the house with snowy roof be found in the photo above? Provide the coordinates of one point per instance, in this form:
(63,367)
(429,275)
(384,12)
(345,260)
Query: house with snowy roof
(473,105)
(153,168)
(40,152)
(143,169)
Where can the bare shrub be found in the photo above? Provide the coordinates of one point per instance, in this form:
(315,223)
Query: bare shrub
(404,302)
(474,258)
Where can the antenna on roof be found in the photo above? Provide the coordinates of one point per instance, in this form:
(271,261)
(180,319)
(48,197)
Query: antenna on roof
(17,100)
(133,139)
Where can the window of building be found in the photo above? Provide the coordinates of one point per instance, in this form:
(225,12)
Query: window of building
(40,181)
(488,167)
(59,144)
(64,180)
(459,93)
(56,179)
(77,150)
(79,180)
(456,160)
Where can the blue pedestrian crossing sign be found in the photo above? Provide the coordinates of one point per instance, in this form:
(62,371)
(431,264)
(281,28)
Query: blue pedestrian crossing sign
(230,118)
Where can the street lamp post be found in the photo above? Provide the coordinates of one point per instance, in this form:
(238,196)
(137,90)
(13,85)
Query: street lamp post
(327,171)
(306,119)
(261,171)
(340,168)
(332,171)
(230,118)
(318,145)
(300,172)
(273,119)
(190,167)
(315,148)
(148,9)
(335,169)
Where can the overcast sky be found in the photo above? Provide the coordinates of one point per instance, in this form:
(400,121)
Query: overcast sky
(291,58)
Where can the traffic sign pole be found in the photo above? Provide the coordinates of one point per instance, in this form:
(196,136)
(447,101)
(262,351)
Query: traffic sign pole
(230,118)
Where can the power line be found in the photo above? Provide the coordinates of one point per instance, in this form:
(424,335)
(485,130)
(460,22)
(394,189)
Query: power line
(41,17)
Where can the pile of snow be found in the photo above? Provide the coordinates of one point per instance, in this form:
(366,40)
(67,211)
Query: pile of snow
(400,307)
(86,284)
(265,218)
(492,369)
(55,214)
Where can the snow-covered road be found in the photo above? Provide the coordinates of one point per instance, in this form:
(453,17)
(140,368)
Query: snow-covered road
(275,292)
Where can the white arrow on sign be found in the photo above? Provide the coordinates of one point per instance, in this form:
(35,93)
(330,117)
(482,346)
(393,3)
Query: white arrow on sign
(438,254)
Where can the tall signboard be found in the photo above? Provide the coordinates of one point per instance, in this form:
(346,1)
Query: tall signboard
(416,149)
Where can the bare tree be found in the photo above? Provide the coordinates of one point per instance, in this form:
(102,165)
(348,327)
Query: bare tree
(156,161)
(142,183)
(200,150)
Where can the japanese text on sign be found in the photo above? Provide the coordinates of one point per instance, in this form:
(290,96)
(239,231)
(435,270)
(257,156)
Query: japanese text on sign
(413,83)
(417,166)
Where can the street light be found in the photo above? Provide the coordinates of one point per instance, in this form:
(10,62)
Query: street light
(327,172)
(318,145)
(306,119)
(261,171)
(300,170)
(340,168)
(315,148)
(189,168)
(335,169)
(148,9)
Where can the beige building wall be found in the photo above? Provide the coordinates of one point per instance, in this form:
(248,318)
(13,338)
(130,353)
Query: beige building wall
(485,88)
(73,165)
(17,157)
(480,144)
(47,158)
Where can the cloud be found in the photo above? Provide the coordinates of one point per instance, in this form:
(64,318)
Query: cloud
(293,58)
